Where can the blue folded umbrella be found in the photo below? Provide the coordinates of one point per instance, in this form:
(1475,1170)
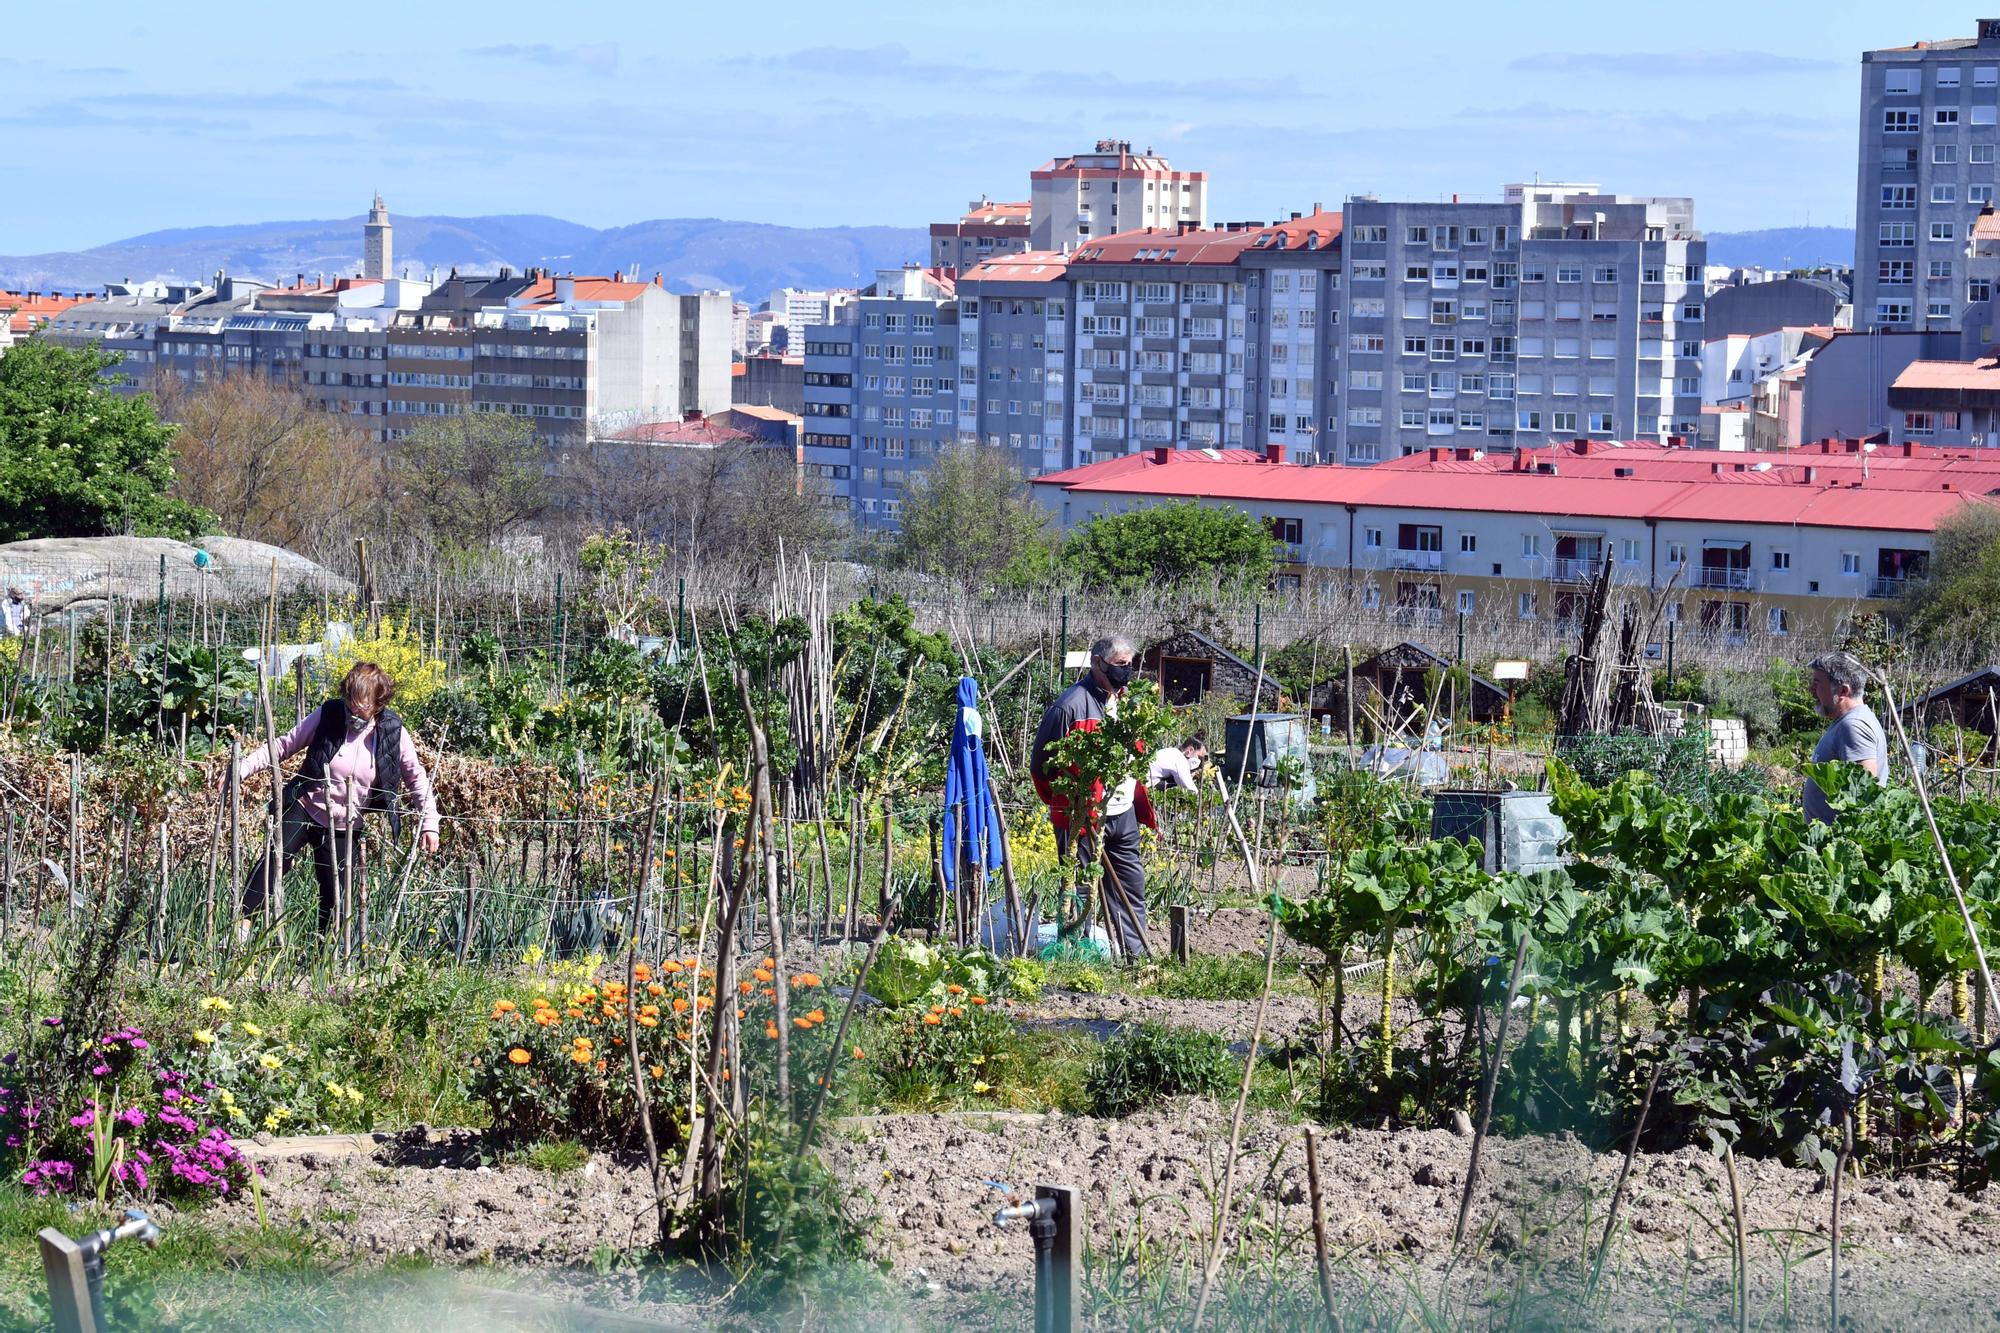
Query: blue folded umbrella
(971,821)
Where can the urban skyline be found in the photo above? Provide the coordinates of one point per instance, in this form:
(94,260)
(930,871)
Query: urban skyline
(1750,113)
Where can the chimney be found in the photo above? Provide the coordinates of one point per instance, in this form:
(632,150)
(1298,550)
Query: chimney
(1911,448)
(1715,469)
(1812,476)
(1274,453)
(1465,454)
(1677,441)
(1581,447)
(1160,454)
(1438,452)
(1317,208)
(1948,486)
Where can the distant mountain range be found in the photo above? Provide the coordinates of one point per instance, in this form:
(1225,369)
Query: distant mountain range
(1782,247)
(752,259)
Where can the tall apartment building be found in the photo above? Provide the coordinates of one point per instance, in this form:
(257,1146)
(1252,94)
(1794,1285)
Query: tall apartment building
(1559,312)
(881,392)
(1930,131)
(1108,190)
(800,309)
(986,231)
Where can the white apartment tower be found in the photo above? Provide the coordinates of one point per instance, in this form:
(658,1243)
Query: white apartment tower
(1108,190)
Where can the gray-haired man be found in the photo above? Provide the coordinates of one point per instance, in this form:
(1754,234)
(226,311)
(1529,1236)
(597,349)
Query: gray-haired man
(1838,684)
(1088,702)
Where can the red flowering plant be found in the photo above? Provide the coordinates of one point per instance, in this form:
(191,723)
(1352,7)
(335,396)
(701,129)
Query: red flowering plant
(1093,761)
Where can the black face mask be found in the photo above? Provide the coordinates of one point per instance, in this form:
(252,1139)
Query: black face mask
(1118,675)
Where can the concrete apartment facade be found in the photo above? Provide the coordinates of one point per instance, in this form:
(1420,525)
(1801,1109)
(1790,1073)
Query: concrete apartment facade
(1108,190)
(986,231)
(1930,133)
(1558,312)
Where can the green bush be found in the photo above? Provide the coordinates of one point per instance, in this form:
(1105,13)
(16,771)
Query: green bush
(1141,1065)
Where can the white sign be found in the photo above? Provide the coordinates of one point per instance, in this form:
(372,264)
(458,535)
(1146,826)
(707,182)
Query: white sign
(1510,671)
(1076,660)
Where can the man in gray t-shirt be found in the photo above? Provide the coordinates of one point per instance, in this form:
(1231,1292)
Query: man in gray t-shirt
(1856,736)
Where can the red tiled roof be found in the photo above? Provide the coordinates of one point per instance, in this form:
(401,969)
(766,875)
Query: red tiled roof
(990,212)
(1028,266)
(700,431)
(27,311)
(1213,245)
(1986,227)
(1982,374)
(1906,492)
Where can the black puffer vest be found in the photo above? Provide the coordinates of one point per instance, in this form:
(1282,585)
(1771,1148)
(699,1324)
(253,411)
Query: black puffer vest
(387,742)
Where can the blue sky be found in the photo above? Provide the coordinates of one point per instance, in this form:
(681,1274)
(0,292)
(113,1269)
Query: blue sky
(892,112)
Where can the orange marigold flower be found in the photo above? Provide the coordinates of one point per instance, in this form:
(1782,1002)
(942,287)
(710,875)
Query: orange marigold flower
(600,1066)
(957,1012)
(770,1029)
(649,1010)
(659,1071)
(932,1019)
(802,1022)
(979,999)
(770,962)
(649,1022)
(580,1055)
(670,967)
(504,1006)
(519,1056)
(680,1005)
(541,1002)
(744,988)
(937,1008)
(858,1055)
(954,989)
(546,1018)
(642,972)
(574,1012)
(762,974)
(817,1015)
(656,989)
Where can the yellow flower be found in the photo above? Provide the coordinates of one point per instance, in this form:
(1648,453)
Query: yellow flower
(215,1003)
(269,1061)
(228,1097)
(982,1086)
(252,1030)
(204,1036)
(335,1088)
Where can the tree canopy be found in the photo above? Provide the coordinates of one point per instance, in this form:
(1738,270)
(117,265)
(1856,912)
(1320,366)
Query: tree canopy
(1951,605)
(78,459)
(969,517)
(1171,543)
(469,480)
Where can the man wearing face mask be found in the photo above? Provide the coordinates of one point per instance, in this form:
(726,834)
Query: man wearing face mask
(1085,705)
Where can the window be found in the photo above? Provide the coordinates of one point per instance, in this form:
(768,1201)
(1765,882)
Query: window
(1417,236)
(1850,563)
(1524,605)
(1943,231)
(1944,154)
(1898,197)
(1371,597)
(1919,423)
(1780,622)
(1981,155)
(1944,194)
(1415,345)
(1677,554)
(1781,562)
(1899,82)
(1531,545)
(1947,76)
(1897,235)
(1940,269)
(1985,76)
(1569,273)
(1892,311)
(1604,273)
(1628,550)
(1528,421)
(1466,602)
(1979,289)
(1945,115)
(1979,194)
(1982,115)
(1371,539)
(1468,543)
(1896,271)
(1560,422)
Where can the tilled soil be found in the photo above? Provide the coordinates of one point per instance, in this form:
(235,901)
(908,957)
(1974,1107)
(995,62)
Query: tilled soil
(1916,1253)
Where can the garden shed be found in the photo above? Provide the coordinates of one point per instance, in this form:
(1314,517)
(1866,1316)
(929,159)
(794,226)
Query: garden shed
(1967,702)
(1397,674)
(1189,665)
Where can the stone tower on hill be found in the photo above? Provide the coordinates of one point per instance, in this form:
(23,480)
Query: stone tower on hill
(377,244)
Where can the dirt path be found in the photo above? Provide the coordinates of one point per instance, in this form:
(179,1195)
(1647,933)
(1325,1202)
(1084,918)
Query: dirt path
(1919,1254)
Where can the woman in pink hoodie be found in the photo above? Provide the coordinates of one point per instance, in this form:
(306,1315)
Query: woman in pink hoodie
(346,740)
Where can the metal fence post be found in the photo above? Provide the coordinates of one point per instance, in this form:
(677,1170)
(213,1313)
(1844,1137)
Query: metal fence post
(1066,1262)
(1177,932)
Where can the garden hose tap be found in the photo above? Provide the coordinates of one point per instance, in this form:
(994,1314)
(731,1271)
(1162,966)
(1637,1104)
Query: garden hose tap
(1035,1210)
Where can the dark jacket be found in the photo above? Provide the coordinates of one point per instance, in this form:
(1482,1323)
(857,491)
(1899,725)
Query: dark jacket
(1080,707)
(387,742)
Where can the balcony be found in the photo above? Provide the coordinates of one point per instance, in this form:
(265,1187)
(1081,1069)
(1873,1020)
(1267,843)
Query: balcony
(1887,589)
(1403,558)
(1732,577)
(1574,569)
